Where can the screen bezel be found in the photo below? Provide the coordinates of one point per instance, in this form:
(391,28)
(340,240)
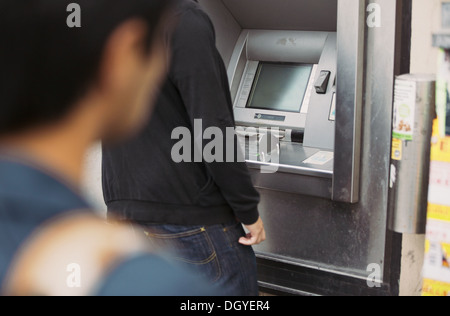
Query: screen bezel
(256,117)
(258,77)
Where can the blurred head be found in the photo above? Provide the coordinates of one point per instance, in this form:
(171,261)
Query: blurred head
(110,68)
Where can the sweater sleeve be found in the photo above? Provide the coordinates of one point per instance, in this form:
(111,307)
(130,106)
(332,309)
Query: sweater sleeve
(199,74)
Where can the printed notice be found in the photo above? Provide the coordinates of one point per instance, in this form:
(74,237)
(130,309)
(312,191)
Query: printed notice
(439,187)
(246,88)
(436,271)
(442,91)
(321,158)
(397,149)
(404,109)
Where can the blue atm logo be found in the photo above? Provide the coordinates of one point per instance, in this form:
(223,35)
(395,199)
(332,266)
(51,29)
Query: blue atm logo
(278,118)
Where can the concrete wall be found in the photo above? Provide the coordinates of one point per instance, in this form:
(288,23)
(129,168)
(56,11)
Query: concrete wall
(426,20)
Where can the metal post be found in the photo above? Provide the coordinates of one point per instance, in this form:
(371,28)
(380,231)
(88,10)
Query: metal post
(414,111)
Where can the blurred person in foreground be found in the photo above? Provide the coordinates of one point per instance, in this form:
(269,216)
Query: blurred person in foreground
(196,207)
(62,89)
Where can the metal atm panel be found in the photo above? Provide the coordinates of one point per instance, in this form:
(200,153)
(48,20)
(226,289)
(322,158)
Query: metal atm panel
(316,245)
(298,163)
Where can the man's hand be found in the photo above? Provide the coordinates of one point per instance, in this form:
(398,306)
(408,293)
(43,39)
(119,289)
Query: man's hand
(256,236)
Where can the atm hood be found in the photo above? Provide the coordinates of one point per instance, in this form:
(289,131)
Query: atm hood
(320,15)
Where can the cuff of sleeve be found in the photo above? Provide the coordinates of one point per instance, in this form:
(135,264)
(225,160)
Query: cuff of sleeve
(249,217)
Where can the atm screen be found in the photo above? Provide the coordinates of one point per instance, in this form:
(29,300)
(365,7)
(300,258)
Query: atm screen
(280,87)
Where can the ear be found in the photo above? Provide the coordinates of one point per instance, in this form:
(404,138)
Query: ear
(124,46)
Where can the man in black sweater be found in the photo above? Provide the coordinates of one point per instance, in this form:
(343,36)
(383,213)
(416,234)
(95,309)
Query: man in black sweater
(197,208)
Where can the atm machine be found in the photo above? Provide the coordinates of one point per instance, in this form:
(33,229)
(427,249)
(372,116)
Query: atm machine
(309,79)
(286,80)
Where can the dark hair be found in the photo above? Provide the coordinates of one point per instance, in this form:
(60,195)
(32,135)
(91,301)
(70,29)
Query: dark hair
(46,66)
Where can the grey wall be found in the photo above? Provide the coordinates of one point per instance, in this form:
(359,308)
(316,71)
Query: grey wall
(426,19)
(304,15)
(227,28)
(231,16)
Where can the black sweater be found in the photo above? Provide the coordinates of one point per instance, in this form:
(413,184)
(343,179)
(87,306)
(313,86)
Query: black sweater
(142,183)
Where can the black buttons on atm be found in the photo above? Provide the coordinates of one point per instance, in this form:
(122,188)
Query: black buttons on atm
(321,83)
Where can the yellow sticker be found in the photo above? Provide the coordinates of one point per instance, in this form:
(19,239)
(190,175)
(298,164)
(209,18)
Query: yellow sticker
(438,212)
(397,149)
(435,288)
(440,147)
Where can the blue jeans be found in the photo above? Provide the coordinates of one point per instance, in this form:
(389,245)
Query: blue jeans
(213,252)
